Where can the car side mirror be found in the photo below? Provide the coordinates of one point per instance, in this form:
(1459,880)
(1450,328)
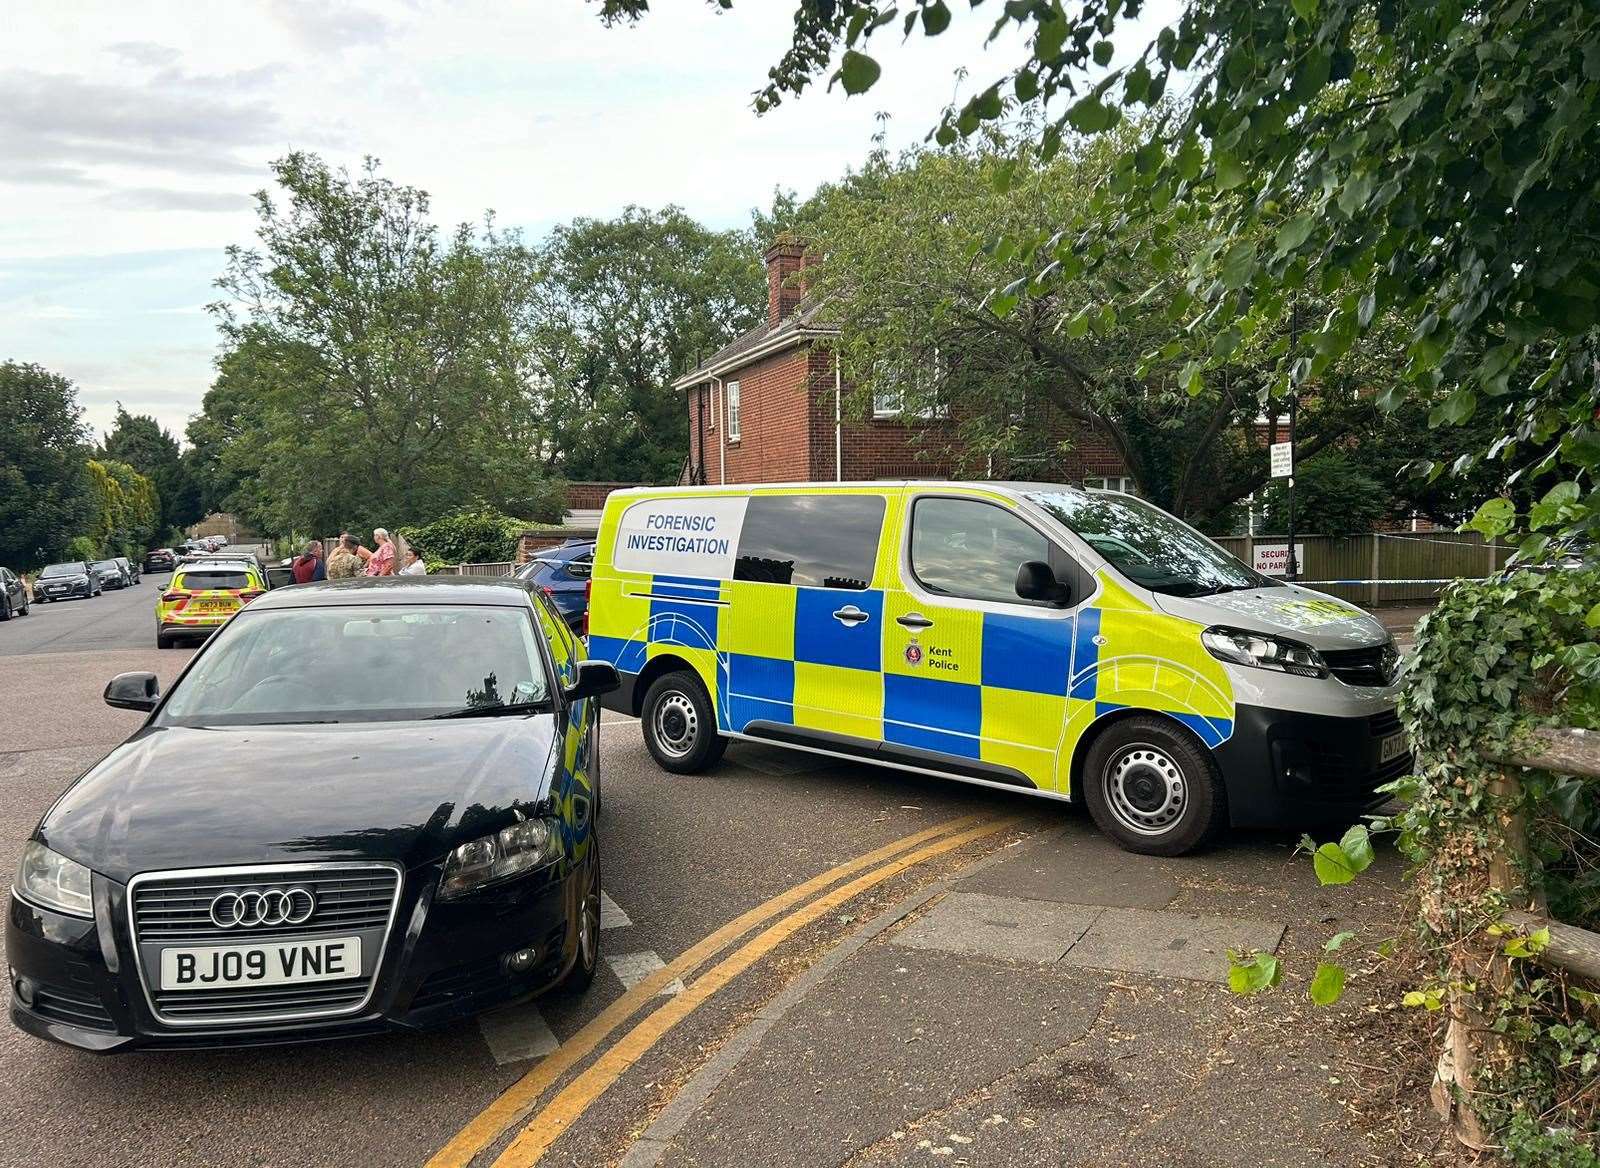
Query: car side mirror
(1035,581)
(133,691)
(594,678)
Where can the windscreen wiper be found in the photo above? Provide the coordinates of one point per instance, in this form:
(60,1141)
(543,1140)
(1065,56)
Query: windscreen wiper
(504,709)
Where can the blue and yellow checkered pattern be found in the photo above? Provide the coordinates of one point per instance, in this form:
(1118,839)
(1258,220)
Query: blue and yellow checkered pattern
(1015,688)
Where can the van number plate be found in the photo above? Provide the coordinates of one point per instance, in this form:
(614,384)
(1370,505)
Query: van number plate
(1392,748)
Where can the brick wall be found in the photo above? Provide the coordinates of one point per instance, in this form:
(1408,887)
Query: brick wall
(774,442)
(536,539)
(787,434)
(592,496)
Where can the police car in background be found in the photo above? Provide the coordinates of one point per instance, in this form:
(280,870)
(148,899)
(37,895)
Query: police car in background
(1032,636)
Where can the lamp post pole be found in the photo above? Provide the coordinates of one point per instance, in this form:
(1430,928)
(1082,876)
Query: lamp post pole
(1292,568)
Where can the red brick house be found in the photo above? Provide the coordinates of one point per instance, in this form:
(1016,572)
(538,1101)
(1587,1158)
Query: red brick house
(772,407)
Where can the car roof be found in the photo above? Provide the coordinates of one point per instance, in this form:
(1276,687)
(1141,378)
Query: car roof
(494,590)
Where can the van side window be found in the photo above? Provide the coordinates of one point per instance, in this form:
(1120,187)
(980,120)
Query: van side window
(971,549)
(810,541)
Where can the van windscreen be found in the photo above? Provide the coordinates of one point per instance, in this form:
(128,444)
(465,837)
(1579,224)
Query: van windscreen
(1148,546)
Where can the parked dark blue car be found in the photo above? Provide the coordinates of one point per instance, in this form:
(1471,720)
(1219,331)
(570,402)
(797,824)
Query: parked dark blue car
(562,574)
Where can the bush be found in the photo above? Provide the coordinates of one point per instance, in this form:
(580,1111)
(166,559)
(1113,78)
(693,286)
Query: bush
(82,547)
(478,536)
(1333,496)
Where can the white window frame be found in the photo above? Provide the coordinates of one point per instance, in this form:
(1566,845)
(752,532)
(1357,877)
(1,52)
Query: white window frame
(1123,484)
(731,403)
(889,401)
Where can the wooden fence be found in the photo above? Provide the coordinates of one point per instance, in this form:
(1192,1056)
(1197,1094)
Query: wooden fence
(1414,563)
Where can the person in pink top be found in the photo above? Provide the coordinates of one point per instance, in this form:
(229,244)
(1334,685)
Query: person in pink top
(382,561)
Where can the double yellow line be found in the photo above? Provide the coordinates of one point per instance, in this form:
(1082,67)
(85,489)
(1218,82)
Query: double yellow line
(559,1114)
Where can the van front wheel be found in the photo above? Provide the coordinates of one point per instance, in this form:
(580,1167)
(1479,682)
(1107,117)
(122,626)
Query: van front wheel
(680,724)
(1153,788)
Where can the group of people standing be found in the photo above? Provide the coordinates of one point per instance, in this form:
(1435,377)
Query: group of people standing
(349,559)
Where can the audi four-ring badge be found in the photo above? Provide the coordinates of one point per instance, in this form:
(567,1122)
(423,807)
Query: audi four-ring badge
(365,805)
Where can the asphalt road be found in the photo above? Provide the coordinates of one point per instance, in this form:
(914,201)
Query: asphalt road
(113,620)
(684,855)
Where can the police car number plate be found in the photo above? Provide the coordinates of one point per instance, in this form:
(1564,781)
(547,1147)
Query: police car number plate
(207,967)
(1391,748)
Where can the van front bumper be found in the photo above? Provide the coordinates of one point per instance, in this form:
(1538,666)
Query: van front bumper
(1283,768)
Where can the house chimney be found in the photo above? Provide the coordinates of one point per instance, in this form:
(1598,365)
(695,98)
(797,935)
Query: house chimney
(785,258)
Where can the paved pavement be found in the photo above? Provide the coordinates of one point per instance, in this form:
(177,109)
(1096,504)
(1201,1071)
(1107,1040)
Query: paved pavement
(1014,992)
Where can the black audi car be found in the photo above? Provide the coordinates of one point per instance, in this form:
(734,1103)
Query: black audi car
(364,805)
(74,579)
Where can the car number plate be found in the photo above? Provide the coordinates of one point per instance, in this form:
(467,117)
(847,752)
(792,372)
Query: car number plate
(216,605)
(1392,748)
(268,963)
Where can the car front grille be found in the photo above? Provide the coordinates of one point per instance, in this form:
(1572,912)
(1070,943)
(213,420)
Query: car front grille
(175,909)
(179,909)
(1376,665)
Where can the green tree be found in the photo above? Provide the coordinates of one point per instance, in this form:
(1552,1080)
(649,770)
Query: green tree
(1334,495)
(139,441)
(366,358)
(625,305)
(915,301)
(127,509)
(1434,161)
(44,489)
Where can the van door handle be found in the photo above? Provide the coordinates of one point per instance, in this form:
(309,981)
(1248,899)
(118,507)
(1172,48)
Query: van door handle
(850,616)
(913,620)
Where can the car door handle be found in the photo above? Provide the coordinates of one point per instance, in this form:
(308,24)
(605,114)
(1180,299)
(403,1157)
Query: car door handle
(850,616)
(913,620)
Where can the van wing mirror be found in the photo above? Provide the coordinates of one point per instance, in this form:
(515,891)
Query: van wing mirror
(594,678)
(133,691)
(1036,581)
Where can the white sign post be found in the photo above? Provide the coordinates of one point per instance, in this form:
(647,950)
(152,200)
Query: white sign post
(1282,460)
(1272,559)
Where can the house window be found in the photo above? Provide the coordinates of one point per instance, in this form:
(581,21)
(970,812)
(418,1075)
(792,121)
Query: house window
(733,411)
(886,401)
(888,394)
(1123,483)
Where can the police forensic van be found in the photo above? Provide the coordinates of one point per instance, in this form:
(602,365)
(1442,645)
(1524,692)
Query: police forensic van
(1065,642)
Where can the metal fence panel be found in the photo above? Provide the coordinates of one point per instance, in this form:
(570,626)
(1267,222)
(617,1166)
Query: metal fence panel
(1407,558)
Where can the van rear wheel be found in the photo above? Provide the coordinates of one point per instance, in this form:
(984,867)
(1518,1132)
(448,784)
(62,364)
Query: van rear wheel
(680,724)
(1153,788)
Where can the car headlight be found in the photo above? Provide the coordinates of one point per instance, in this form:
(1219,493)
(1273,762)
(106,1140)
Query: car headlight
(53,881)
(1264,652)
(522,847)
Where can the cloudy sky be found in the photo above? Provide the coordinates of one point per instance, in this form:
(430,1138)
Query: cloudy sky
(134,133)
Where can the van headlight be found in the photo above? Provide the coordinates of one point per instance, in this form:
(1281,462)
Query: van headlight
(522,847)
(1264,652)
(52,881)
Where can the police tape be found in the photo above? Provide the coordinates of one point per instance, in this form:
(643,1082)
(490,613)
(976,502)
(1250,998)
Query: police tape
(1352,583)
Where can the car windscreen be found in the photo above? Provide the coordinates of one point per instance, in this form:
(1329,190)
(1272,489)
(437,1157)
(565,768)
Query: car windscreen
(104,564)
(62,570)
(1148,546)
(212,579)
(360,663)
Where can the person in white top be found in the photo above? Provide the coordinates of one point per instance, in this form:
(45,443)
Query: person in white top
(414,565)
